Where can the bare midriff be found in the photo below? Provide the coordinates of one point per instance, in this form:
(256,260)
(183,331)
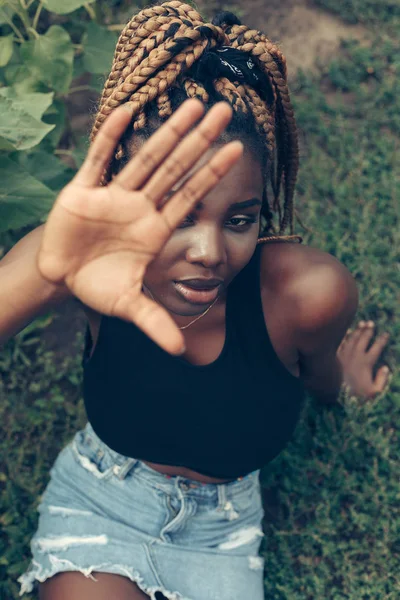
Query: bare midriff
(184,472)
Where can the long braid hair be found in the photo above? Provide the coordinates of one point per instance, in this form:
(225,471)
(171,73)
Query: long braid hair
(155,68)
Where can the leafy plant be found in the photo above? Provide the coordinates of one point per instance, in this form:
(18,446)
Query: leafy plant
(41,53)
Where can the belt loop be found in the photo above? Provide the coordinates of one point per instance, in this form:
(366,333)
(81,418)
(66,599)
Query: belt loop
(124,469)
(221,489)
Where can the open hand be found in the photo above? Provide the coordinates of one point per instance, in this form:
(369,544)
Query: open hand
(99,240)
(358,361)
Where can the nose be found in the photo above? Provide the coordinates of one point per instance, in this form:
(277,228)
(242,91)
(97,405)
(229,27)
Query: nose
(206,247)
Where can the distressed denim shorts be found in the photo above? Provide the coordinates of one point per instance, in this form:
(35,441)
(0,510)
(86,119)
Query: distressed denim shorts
(102,511)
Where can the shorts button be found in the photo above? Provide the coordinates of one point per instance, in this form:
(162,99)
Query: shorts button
(116,469)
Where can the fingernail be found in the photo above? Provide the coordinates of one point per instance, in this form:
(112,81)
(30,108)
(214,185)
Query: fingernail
(361,324)
(370,323)
(385,369)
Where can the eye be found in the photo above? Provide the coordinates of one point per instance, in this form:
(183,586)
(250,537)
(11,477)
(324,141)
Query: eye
(242,222)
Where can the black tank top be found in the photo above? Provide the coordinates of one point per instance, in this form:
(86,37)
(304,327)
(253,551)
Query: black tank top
(224,419)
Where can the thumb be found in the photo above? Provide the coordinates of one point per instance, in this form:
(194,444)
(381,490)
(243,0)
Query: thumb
(153,320)
(381,379)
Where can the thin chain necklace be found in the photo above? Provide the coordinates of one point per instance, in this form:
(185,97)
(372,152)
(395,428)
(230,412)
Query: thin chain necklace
(194,320)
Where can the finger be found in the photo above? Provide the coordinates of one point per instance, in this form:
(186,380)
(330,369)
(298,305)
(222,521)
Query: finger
(353,337)
(365,336)
(153,320)
(200,184)
(103,148)
(376,349)
(341,346)
(381,379)
(188,152)
(159,146)
(343,343)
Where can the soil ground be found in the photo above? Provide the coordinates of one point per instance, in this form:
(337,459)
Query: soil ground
(307,35)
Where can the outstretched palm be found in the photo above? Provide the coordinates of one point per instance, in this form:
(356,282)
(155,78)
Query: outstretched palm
(100,240)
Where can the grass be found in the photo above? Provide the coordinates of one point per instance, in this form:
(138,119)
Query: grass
(369,12)
(334,530)
(332,509)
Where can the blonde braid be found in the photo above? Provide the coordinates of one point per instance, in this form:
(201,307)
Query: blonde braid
(164,105)
(163,80)
(195,90)
(240,34)
(153,60)
(141,26)
(125,46)
(151,20)
(263,117)
(158,58)
(185,11)
(139,48)
(261,52)
(229,91)
(156,15)
(148,92)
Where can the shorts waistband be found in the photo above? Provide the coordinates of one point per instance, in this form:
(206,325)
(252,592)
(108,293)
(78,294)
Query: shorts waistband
(125,465)
(191,485)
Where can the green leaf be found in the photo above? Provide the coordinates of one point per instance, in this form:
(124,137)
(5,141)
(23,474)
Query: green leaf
(19,130)
(63,7)
(45,167)
(99,46)
(56,115)
(6,49)
(22,79)
(34,104)
(23,199)
(7,10)
(50,58)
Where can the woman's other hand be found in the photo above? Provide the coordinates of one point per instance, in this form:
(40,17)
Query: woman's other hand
(358,359)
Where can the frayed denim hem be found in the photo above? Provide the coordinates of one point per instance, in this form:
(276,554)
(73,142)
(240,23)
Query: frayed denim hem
(37,573)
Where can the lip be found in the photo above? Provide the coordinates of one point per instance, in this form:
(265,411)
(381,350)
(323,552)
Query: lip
(200,283)
(197,296)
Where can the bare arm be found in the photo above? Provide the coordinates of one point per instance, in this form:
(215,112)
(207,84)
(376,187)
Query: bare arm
(24,293)
(327,306)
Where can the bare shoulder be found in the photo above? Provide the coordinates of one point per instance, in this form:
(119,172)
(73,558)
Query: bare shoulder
(296,258)
(318,287)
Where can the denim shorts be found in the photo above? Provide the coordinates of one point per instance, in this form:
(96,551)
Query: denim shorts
(102,511)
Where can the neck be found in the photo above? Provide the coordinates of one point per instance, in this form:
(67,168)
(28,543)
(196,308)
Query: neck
(213,317)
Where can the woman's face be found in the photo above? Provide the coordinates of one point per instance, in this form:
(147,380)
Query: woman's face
(214,242)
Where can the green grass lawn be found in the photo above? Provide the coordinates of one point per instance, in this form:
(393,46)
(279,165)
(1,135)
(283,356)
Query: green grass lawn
(333,497)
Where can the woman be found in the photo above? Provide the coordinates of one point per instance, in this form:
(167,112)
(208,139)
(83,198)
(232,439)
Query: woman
(202,337)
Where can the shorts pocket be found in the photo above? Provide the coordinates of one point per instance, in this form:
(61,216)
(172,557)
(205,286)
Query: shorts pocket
(92,454)
(245,503)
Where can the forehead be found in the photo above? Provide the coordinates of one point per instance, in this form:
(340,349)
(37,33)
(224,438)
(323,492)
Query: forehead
(243,181)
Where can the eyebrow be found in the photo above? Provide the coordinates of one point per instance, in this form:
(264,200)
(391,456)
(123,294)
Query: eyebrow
(245,204)
(235,205)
